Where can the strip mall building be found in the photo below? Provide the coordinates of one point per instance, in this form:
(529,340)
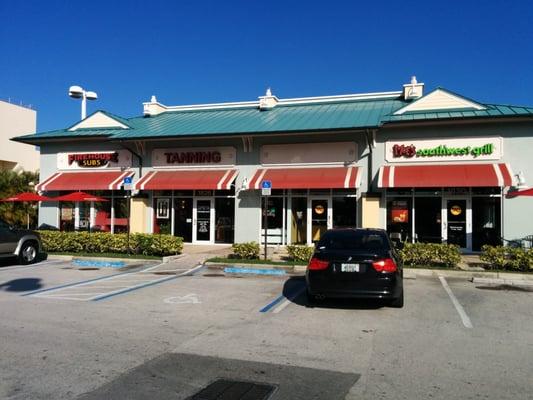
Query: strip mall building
(435,167)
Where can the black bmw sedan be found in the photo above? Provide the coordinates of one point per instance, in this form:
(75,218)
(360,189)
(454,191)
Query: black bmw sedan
(355,263)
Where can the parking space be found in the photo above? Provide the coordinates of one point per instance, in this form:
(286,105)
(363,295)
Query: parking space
(138,315)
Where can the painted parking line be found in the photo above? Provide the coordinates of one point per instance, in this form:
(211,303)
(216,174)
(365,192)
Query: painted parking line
(280,303)
(74,284)
(106,287)
(462,313)
(40,264)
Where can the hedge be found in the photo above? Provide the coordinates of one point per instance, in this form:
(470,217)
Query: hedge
(508,258)
(300,252)
(430,254)
(246,251)
(103,242)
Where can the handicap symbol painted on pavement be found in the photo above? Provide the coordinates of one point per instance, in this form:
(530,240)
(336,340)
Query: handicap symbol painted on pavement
(190,298)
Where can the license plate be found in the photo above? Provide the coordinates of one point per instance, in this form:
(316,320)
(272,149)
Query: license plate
(350,267)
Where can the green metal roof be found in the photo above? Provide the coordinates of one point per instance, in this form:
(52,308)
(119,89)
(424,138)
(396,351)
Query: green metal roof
(491,111)
(284,118)
(301,117)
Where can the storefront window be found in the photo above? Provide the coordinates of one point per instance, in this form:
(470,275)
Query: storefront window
(399,219)
(299,220)
(224,217)
(66,216)
(102,216)
(275,219)
(486,226)
(428,216)
(182,217)
(162,215)
(120,222)
(344,212)
(84,208)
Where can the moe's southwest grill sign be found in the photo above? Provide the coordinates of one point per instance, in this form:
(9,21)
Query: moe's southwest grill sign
(473,149)
(92,160)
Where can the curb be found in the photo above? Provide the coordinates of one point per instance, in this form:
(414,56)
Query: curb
(412,273)
(102,259)
(168,259)
(496,281)
(288,268)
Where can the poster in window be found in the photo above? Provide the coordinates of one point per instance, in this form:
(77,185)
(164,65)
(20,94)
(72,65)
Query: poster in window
(163,209)
(399,212)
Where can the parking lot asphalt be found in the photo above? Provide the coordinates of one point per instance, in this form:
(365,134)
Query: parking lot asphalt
(163,335)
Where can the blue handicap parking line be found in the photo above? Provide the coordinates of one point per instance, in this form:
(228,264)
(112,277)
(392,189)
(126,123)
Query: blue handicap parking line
(98,263)
(294,293)
(255,271)
(272,304)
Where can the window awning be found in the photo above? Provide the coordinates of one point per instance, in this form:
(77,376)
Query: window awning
(207,179)
(451,175)
(94,180)
(308,178)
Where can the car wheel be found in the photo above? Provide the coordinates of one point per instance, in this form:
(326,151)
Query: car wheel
(397,302)
(28,253)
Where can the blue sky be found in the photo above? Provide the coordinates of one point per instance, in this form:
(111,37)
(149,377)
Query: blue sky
(214,51)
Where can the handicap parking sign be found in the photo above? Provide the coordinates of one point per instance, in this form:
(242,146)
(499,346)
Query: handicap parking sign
(128,180)
(266,184)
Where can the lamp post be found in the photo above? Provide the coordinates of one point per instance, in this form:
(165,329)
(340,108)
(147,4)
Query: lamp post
(32,187)
(77,92)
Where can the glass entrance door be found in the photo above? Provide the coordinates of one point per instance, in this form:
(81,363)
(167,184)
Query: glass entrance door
(183,218)
(319,213)
(204,214)
(456,225)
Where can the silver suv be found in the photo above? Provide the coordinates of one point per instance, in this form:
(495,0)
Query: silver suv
(21,243)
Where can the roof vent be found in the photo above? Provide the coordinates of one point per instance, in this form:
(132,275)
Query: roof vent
(153,107)
(268,101)
(413,90)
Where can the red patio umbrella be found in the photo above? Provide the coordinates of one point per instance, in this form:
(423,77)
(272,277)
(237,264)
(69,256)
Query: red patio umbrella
(27,196)
(79,196)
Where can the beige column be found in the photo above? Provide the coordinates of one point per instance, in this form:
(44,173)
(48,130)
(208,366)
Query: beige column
(139,208)
(370,212)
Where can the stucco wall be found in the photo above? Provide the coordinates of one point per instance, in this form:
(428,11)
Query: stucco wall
(16,121)
(517,145)
(247,202)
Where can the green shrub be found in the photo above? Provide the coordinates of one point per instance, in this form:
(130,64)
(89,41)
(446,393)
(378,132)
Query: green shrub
(247,251)
(103,242)
(508,258)
(430,254)
(300,252)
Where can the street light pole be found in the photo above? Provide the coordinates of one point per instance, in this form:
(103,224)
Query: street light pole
(77,92)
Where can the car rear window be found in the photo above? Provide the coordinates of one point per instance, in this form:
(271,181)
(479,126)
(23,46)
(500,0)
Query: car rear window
(353,240)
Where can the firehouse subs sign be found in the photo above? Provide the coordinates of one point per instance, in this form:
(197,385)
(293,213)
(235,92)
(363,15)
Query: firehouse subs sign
(469,149)
(94,160)
(194,157)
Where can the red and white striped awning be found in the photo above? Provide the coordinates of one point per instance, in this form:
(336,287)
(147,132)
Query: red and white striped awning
(93,180)
(308,178)
(450,175)
(207,179)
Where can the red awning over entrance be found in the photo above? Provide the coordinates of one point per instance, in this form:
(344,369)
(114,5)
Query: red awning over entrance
(207,179)
(94,180)
(308,178)
(451,175)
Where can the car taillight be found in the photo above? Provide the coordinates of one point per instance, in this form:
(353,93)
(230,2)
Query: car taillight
(385,265)
(316,264)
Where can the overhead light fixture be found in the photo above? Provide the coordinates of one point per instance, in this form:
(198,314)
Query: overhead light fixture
(77,92)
